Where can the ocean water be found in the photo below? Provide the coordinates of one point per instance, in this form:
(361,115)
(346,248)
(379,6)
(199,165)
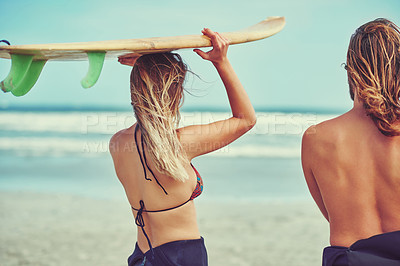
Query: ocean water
(67,152)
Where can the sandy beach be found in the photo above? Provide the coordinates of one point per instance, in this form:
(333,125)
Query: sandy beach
(62,229)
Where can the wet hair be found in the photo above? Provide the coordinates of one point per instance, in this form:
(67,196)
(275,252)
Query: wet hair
(373,69)
(157,94)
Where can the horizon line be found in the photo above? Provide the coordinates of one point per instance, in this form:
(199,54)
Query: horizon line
(113,108)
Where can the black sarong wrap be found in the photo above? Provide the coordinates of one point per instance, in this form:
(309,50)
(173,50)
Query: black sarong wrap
(190,252)
(378,250)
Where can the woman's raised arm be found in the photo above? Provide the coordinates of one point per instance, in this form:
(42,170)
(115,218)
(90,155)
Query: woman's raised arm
(202,139)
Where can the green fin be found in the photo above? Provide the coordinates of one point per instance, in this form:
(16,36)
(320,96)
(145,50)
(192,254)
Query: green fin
(96,61)
(30,78)
(19,67)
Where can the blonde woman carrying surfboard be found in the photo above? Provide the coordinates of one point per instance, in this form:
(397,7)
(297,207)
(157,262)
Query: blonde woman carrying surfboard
(152,158)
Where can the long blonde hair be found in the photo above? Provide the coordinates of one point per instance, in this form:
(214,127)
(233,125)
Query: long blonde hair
(157,94)
(373,68)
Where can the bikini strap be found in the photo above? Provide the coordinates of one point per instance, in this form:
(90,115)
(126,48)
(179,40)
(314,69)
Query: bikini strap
(140,155)
(145,161)
(139,221)
(168,209)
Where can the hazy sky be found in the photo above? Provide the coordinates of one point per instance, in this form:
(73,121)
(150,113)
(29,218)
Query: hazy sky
(299,67)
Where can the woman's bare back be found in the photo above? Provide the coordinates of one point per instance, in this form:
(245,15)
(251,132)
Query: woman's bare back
(161,227)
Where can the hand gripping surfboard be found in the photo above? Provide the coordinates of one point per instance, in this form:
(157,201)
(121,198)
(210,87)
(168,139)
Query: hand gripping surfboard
(27,61)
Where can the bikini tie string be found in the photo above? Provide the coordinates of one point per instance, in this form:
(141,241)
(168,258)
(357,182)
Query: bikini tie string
(139,217)
(139,221)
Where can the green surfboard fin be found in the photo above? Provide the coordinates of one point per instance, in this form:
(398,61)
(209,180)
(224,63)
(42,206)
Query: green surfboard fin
(19,67)
(96,61)
(30,78)
(25,72)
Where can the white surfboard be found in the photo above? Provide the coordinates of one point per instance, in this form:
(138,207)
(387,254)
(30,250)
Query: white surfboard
(29,60)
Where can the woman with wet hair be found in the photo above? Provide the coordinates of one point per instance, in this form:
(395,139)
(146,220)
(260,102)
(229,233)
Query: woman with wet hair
(352,163)
(152,158)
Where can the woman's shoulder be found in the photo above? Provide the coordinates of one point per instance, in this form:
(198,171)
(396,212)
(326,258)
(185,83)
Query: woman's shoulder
(122,139)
